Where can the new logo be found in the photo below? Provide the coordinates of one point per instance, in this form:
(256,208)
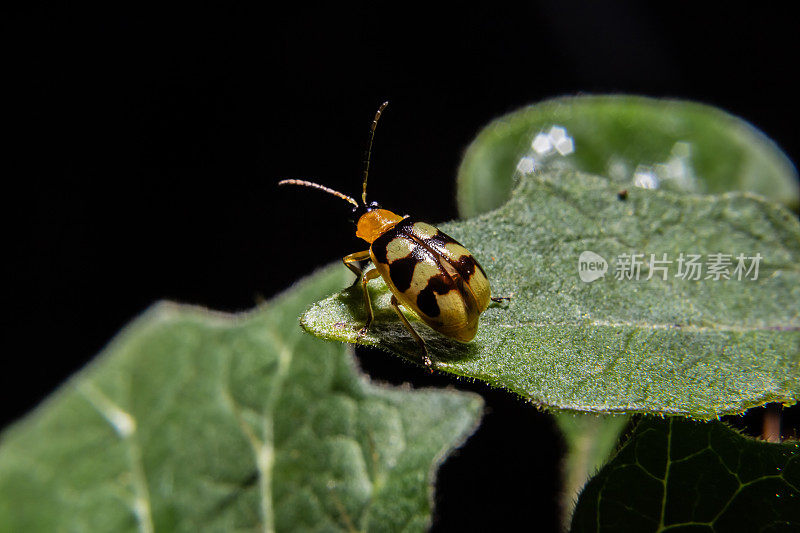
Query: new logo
(591,266)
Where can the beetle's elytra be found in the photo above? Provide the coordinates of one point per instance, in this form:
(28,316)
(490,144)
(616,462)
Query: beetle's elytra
(432,274)
(427,271)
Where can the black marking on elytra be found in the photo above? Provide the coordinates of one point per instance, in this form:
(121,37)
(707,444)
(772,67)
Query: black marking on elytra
(426,299)
(402,270)
(380,246)
(465,265)
(443,238)
(426,302)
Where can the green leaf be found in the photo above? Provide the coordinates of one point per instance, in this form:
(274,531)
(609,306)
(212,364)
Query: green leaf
(678,475)
(197,421)
(687,146)
(700,348)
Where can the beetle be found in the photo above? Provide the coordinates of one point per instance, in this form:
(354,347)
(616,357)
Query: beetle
(426,270)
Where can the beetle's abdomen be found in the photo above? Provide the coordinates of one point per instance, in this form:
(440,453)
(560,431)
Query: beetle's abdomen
(434,276)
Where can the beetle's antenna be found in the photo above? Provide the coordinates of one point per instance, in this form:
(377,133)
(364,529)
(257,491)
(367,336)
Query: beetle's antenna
(320,187)
(369,150)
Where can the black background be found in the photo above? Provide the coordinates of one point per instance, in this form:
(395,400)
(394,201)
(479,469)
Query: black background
(143,145)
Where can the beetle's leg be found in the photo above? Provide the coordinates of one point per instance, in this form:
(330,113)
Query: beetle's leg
(425,359)
(500,298)
(368,275)
(349,262)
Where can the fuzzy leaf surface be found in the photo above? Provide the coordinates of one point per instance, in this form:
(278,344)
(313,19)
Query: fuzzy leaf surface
(193,421)
(701,348)
(685,146)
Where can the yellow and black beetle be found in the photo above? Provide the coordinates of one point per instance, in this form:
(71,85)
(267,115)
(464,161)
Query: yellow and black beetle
(427,271)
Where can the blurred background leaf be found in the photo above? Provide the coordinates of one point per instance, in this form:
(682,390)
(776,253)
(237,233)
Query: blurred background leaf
(191,420)
(686,146)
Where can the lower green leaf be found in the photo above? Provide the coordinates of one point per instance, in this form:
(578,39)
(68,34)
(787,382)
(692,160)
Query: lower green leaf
(196,421)
(679,475)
